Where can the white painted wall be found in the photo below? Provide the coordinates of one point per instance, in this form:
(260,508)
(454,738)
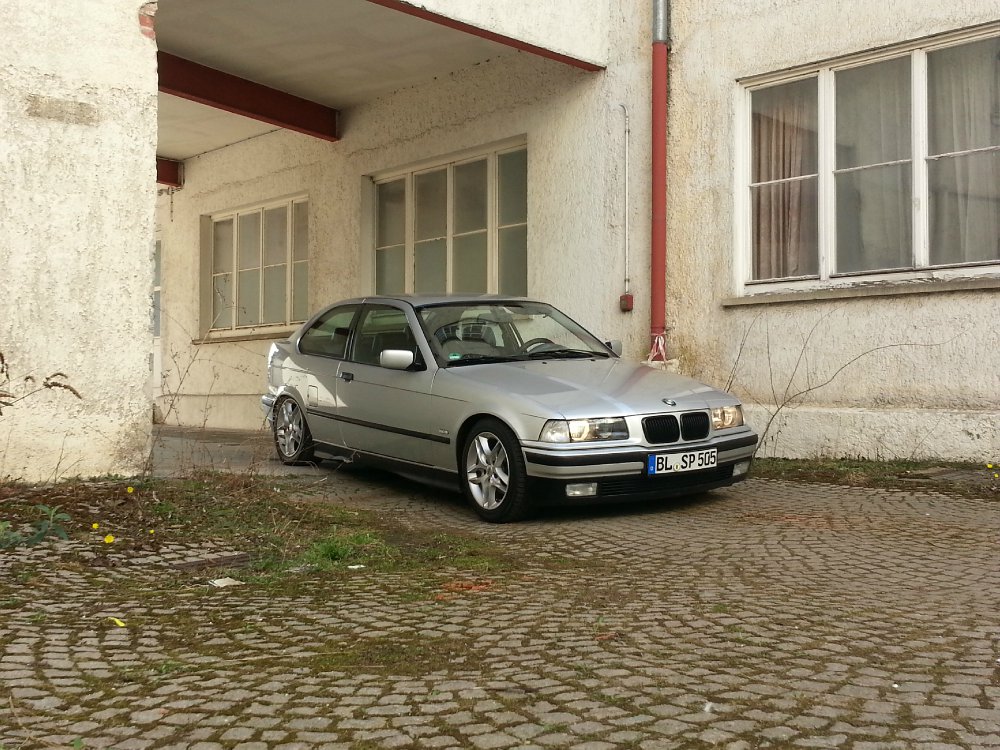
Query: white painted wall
(574,128)
(76,224)
(924,372)
(578,28)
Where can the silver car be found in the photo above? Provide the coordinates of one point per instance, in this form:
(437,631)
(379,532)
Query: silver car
(507,398)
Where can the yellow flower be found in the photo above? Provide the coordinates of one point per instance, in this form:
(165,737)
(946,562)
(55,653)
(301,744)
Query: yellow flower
(95,526)
(130,490)
(989,466)
(108,539)
(151,531)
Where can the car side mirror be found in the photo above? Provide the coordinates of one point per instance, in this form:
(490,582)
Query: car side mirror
(615,345)
(396,359)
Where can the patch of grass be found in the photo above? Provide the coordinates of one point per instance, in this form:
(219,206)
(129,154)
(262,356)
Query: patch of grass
(351,547)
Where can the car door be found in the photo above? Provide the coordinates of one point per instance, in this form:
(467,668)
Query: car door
(322,348)
(388,412)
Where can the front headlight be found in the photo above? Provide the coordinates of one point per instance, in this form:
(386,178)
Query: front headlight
(726,417)
(582,430)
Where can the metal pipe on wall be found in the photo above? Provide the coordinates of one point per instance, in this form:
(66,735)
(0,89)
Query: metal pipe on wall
(625,302)
(658,239)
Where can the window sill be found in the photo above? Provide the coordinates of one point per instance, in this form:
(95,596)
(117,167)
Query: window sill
(249,334)
(880,288)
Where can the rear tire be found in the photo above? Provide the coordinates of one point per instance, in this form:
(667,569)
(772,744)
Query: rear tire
(292,438)
(493,475)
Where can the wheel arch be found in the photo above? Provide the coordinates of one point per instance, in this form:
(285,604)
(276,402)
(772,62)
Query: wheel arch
(466,428)
(288,391)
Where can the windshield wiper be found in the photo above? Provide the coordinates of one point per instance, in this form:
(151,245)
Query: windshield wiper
(567,354)
(481,359)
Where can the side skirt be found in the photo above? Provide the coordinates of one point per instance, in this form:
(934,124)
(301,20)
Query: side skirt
(441,478)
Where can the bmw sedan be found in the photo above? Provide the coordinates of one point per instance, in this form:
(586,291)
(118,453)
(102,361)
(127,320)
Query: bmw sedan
(508,399)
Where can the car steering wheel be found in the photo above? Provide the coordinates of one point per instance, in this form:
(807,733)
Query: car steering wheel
(541,341)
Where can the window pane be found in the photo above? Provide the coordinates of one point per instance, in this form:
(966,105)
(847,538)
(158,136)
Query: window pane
(784,131)
(470,197)
(431,204)
(469,273)
(381,328)
(248,298)
(222,246)
(274,294)
(873,113)
(514,261)
(874,229)
(391,209)
(963,101)
(430,269)
(785,229)
(275,236)
(222,301)
(328,336)
(300,231)
(249,240)
(513,192)
(300,291)
(390,274)
(965,208)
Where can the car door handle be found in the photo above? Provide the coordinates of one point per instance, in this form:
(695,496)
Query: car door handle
(347,376)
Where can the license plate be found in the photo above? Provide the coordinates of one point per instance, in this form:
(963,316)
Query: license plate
(670,463)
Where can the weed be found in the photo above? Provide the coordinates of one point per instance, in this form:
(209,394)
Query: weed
(169,667)
(49,524)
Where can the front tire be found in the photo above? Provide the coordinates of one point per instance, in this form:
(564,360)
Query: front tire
(292,438)
(494,479)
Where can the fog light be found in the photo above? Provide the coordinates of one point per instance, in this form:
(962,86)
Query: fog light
(581,490)
(741,468)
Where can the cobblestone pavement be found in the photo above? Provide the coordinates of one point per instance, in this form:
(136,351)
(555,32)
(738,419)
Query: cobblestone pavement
(771,614)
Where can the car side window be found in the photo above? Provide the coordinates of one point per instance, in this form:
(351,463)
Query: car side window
(382,328)
(329,335)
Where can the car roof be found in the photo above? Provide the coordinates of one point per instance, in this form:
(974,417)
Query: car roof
(425,300)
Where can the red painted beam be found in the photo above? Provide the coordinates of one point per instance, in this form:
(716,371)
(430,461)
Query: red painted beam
(189,80)
(468,28)
(169,172)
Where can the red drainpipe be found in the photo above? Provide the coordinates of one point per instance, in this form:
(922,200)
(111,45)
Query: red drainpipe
(658,248)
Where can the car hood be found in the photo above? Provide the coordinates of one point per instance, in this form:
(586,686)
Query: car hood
(576,388)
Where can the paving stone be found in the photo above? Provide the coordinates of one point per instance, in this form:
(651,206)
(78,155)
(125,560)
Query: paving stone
(793,616)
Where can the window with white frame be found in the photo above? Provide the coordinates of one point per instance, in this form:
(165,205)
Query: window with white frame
(874,165)
(260,265)
(455,227)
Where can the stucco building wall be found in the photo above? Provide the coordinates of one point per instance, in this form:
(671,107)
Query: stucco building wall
(894,376)
(578,28)
(76,218)
(573,125)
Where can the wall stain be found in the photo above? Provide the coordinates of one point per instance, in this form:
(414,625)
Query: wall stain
(62,110)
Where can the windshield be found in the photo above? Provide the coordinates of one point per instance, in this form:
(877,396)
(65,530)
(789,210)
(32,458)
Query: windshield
(464,333)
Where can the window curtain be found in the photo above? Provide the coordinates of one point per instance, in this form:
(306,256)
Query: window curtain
(784,193)
(873,171)
(964,115)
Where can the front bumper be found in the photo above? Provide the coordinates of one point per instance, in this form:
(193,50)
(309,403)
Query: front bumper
(621,472)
